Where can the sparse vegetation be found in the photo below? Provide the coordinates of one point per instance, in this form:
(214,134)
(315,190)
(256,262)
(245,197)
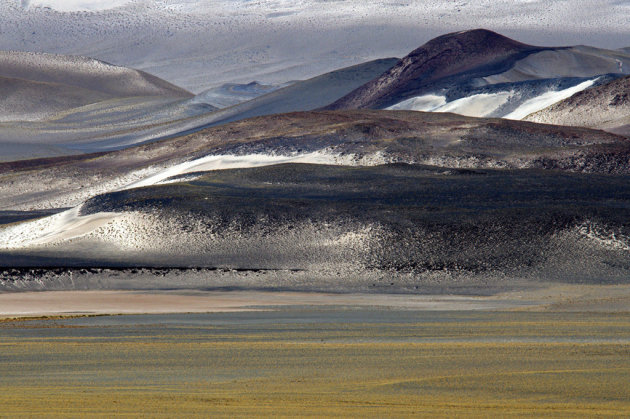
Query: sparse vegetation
(470,364)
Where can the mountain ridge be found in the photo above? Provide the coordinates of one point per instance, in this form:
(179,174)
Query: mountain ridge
(440,58)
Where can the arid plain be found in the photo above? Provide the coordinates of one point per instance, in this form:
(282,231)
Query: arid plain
(318,361)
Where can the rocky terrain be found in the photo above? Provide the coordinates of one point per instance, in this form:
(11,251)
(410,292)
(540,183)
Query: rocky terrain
(605,107)
(338,200)
(412,224)
(333,137)
(482,73)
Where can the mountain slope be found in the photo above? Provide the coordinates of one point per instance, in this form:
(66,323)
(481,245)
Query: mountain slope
(86,73)
(348,137)
(35,86)
(479,51)
(122,122)
(491,74)
(321,227)
(606,107)
(27,100)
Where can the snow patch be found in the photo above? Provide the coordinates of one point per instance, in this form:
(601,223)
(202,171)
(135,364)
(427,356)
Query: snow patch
(77,5)
(56,228)
(233,161)
(485,104)
(547,99)
(477,105)
(426,103)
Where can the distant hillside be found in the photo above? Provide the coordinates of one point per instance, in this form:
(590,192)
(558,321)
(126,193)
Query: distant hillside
(490,74)
(447,56)
(606,106)
(36,85)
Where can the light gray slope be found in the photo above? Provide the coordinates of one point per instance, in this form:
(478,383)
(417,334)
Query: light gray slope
(186,116)
(577,61)
(117,117)
(27,100)
(606,107)
(86,73)
(308,94)
(38,86)
(231,94)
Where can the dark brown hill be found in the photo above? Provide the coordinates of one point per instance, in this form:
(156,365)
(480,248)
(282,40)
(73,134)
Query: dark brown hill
(473,53)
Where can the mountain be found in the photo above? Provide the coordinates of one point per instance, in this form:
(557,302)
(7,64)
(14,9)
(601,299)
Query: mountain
(605,106)
(26,100)
(86,73)
(480,52)
(231,94)
(35,86)
(417,198)
(333,137)
(482,73)
(199,44)
(306,95)
(122,122)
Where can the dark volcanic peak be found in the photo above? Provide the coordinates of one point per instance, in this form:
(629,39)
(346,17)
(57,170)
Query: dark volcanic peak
(447,56)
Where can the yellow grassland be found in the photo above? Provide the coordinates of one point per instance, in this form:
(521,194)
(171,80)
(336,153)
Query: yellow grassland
(504,364)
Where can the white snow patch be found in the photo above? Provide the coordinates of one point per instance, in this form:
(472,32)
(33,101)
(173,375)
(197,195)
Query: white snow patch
(479,105)
(233,161)
(484,104)
(77,5)
(426,103)
(547,99)
(56,228)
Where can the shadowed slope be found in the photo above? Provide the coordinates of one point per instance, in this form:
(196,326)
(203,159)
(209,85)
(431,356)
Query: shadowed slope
(354,227)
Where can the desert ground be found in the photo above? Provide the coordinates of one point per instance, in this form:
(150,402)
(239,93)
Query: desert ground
(320,361)
(553,351)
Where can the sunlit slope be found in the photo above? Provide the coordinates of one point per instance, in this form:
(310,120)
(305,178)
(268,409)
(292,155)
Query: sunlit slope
(484,74)
(341,137)
(37,85)
(606,107)
(122,122)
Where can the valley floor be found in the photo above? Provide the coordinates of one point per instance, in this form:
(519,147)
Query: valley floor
(528,297)
(308,354)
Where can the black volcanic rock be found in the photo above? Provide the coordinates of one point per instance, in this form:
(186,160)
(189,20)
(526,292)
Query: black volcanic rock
(473,53)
